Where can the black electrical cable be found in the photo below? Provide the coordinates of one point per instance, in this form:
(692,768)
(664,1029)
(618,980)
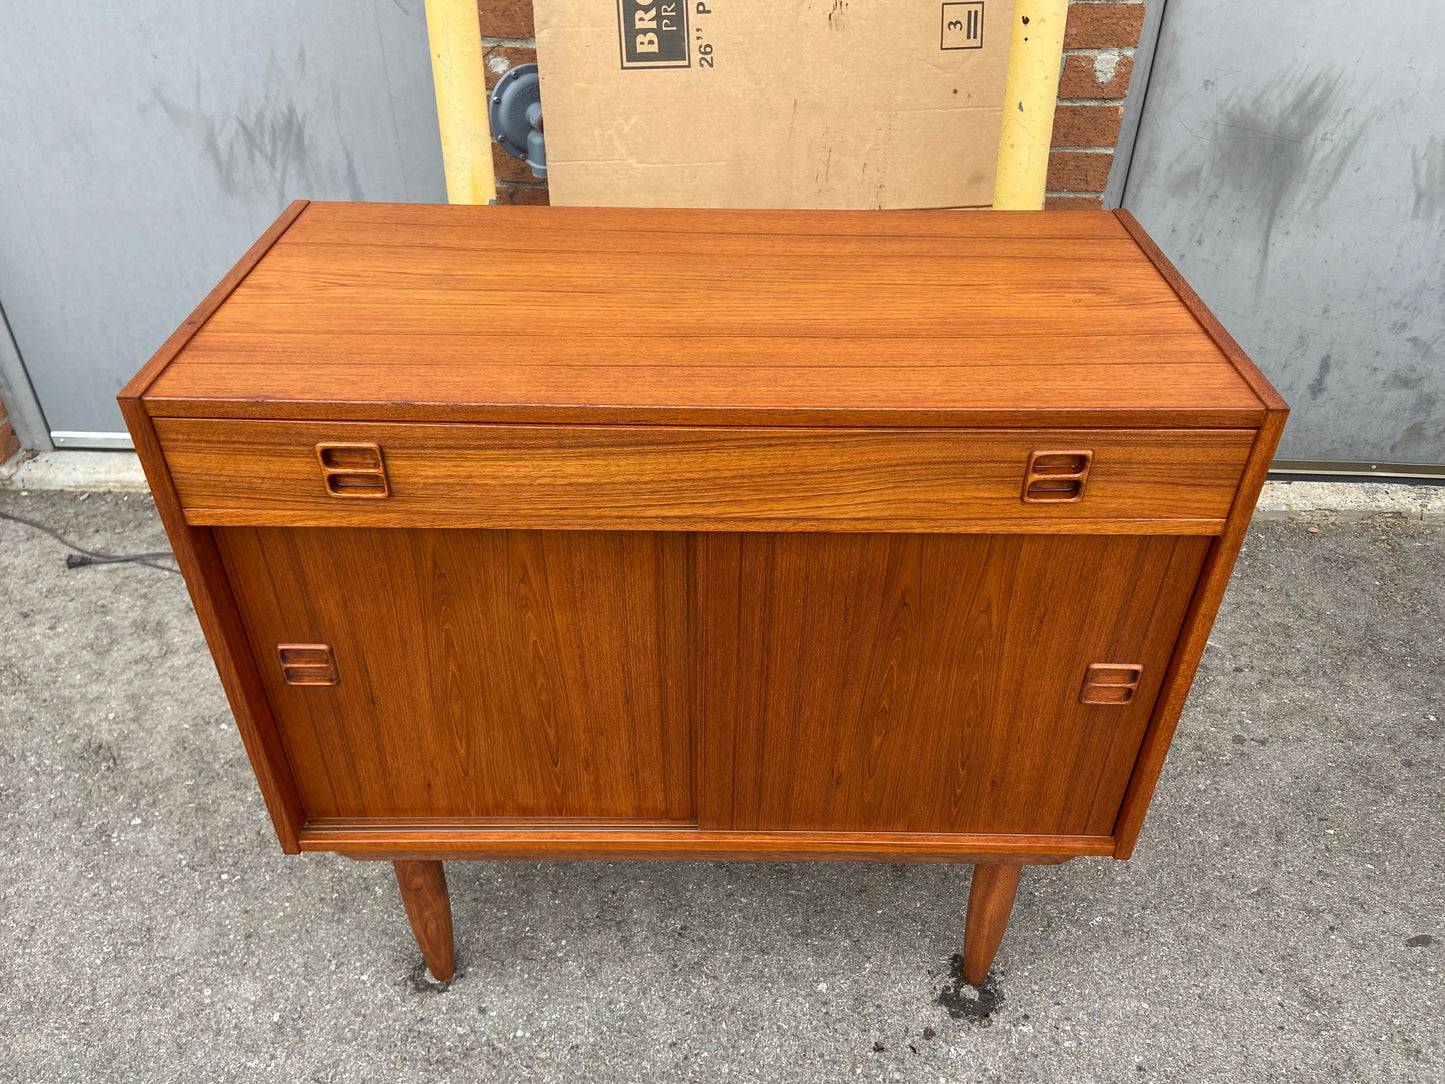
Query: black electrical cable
(82,556)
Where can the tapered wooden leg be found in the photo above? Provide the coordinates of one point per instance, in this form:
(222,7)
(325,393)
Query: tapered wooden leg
(990,901)
(424,895)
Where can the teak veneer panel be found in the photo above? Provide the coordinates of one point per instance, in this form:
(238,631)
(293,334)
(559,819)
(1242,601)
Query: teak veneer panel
(482,673)
(266,472)
(521,314)
(927,683)
(390,841)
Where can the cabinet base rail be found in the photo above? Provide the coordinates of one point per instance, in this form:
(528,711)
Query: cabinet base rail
(401,841)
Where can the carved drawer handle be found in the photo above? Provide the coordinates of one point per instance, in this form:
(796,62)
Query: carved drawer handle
(1056,477)
(307,664)
(1111,682)
(353,470)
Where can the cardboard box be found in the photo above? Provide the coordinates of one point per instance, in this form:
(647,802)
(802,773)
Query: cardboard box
(739,103)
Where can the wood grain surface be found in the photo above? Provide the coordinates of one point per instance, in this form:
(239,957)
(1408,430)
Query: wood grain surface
(990,902)
(482,673)
(927,683)
(389,842)
(706,317)
(429,910)
(230,471)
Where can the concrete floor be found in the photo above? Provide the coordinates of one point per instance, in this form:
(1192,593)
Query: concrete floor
(1282,920)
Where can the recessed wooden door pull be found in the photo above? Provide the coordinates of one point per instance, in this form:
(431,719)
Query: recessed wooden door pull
(353,470)
(1054,477)
(1110,683)
(307,664)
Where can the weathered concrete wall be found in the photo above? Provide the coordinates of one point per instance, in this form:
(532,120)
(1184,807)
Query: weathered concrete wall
(1291,161)
(145,145)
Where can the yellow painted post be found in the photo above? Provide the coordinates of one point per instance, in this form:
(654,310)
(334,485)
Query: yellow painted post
(1031,90)
(461,89)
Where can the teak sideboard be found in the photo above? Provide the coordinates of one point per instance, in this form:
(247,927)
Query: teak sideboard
(526,532)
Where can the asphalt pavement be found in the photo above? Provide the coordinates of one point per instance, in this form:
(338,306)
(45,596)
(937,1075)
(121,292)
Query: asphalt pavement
(1283,918)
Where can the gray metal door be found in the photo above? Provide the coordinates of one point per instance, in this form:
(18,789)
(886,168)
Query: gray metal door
(1291,161)
(145,144)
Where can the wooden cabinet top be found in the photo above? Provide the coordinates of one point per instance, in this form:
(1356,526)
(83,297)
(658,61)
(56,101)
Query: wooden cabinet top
(631,316)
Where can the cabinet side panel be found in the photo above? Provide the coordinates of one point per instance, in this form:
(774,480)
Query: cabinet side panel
(207,581)
(1194,636)
(928,683)
(502,674)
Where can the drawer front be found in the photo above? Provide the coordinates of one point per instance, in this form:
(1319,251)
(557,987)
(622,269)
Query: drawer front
(231,472)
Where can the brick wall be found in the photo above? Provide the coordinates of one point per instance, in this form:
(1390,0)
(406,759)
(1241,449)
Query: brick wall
(508,39)
(9,442)
(1099,42)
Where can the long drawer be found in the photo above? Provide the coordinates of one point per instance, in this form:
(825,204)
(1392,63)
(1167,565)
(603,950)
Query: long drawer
(302,473)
